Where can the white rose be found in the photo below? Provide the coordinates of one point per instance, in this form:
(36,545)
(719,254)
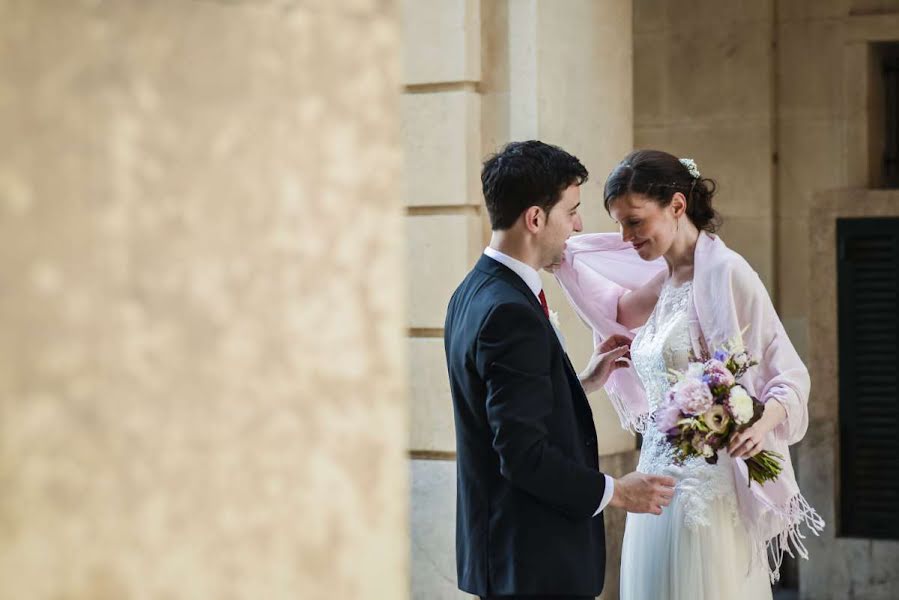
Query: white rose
(740,404)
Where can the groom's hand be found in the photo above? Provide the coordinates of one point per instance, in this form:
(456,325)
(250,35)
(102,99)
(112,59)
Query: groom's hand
(610,355)
(641,493)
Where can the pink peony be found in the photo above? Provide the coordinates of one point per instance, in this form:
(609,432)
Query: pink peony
(692,396)
(667,417)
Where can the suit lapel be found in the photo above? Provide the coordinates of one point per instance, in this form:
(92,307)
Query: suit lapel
(496,269)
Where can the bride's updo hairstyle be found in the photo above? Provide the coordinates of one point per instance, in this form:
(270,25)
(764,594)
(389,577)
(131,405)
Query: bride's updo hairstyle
(659,175)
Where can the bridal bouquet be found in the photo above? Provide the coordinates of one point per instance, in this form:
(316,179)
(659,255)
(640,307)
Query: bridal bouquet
(706,406)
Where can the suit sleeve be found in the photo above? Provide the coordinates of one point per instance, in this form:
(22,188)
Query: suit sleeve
(513,358)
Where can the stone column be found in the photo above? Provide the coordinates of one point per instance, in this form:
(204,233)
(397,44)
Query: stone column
(201,361)
(444,235)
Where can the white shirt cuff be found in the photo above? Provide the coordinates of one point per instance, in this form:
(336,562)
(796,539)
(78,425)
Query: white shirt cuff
(606,495)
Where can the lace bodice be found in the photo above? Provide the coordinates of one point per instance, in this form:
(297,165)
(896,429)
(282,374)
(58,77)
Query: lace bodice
(664,343)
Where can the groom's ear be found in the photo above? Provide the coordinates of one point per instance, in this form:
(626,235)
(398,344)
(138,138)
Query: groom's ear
(534,218)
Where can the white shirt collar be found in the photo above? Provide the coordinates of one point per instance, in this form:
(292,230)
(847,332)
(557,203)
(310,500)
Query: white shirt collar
(526,272)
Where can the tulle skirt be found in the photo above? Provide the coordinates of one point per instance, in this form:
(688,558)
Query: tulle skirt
(664,559)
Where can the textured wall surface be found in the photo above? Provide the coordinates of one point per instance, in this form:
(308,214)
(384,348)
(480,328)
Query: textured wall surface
(201,351)
(703,89)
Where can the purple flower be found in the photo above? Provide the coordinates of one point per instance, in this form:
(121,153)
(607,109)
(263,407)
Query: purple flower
(692,396)
(720,355)
(717,375)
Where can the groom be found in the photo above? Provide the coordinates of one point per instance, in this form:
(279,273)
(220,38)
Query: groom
(530,494)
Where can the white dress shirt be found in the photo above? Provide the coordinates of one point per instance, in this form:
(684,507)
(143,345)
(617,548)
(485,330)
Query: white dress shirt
(532,278)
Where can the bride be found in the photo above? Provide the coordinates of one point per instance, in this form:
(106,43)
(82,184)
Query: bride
(670,278)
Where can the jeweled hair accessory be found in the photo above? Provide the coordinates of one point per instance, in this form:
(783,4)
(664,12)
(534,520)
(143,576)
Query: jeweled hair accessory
(691,166)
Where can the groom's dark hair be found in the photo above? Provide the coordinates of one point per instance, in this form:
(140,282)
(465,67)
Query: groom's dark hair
(525,174)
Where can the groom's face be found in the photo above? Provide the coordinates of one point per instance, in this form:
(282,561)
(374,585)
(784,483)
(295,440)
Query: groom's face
(562,222)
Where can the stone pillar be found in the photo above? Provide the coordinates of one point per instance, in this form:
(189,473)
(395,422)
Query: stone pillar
(201,362)
(441,125)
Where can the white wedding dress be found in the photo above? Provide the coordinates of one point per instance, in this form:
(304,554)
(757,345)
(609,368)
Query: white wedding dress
(698,548)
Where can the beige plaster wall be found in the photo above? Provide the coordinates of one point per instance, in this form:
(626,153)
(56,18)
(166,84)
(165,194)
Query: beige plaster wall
(811,138)
(201,357)
(703,85)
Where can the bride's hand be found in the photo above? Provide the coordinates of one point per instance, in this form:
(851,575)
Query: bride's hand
(749,442)
(612,354)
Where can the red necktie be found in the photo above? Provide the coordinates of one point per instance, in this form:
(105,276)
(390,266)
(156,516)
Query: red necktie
(543,303)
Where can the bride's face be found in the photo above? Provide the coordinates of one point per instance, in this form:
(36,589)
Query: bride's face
(644,223)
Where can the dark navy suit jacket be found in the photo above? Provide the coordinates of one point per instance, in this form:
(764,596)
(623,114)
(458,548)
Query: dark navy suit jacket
(528,479)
